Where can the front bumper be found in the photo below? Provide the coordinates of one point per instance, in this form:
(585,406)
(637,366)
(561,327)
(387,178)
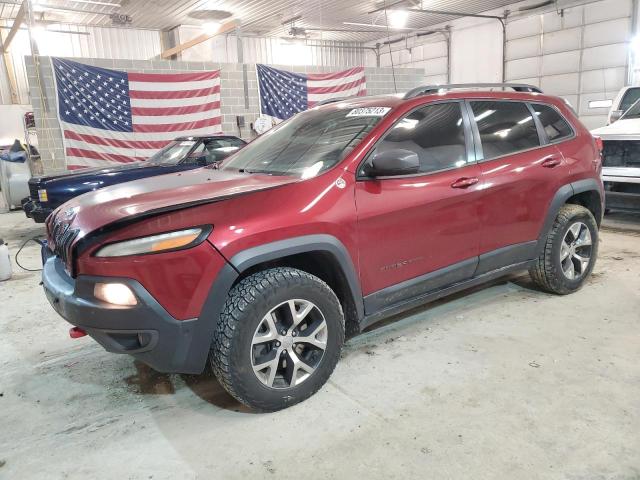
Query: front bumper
(34,209)
(146,331)
(622,201)
(622,188)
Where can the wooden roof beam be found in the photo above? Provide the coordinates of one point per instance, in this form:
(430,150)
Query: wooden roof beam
(225,27)
(15,27)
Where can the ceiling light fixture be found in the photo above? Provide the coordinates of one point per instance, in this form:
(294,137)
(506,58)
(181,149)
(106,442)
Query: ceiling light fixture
(211,27)
(374,26)
(398,18)
(38,33)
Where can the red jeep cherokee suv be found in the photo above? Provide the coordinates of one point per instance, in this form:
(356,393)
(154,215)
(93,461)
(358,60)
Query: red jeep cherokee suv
(339,217)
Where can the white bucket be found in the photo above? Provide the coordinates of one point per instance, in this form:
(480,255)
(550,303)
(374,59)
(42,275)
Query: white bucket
(5,262)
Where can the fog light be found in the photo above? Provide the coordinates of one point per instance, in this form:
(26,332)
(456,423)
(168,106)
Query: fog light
(116,293)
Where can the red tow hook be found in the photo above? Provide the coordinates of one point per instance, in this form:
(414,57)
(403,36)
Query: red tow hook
(76,332)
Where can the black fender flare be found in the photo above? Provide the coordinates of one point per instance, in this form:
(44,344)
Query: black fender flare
(246,259)
(563,194)
(304,244)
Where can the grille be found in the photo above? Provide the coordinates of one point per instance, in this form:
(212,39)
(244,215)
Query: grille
(33,191)
(61,237)
(621,153)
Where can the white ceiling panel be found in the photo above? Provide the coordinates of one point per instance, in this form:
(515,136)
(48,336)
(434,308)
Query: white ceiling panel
(320,19)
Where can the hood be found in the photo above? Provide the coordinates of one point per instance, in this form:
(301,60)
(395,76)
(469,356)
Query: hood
(624,129)
(123,202)
(84,172)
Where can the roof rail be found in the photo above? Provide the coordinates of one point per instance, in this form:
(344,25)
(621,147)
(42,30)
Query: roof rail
(330,100)
(426,89)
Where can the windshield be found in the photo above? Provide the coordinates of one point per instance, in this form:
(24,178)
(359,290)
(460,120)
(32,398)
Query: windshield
(307,144)
(172,153)
(633,112)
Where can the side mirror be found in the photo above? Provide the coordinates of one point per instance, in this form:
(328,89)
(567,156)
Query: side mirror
(393,162)
(615,115)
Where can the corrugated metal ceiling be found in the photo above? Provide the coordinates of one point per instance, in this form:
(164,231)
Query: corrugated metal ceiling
(322,19)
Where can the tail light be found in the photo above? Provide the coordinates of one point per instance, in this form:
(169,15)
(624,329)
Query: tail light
(599,143)
(597,162)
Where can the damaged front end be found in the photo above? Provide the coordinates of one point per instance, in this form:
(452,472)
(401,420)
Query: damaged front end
(621,174)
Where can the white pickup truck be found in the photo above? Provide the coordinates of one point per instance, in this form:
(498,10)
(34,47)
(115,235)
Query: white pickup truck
(621,160)
(626,97)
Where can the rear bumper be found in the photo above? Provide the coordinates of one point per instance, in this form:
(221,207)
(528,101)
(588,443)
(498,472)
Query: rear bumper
(146,331)
(33,209)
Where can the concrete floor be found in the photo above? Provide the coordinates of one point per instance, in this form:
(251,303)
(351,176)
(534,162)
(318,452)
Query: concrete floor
(501,382)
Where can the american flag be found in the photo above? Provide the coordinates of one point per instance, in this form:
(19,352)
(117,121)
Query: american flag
(283,93)
(111,117)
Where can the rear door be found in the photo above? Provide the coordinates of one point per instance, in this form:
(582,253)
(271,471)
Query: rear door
(419,232)
(521,170)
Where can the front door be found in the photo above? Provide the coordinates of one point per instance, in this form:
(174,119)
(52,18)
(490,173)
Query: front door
(418,233)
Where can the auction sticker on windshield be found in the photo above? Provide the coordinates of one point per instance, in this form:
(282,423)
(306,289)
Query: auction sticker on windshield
(368,112)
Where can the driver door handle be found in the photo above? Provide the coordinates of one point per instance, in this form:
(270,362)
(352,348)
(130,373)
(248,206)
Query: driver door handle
(464,182)
(551,161)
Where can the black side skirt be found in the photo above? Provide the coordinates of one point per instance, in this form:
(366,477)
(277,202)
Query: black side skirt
(434,285)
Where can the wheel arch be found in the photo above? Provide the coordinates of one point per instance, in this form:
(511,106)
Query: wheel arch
(321,255)
(585,192)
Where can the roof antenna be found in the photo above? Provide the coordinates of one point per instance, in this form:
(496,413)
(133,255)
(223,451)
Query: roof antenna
(393,70)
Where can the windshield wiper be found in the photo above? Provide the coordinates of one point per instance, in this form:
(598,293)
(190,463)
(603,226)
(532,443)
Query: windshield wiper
(264,172)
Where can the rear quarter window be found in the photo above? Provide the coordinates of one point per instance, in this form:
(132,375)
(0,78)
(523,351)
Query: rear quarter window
(555,125)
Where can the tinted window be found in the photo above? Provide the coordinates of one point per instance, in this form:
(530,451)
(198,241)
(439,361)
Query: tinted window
(435,133)
(554,125)
(172,153)
(505,128)
(195,155)
(630,97)
(220,148)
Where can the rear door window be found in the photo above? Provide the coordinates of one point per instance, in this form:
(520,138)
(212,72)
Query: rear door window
(554,125)
(504,127)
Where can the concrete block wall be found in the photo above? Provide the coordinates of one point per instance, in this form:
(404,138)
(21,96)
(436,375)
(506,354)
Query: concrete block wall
(232,94)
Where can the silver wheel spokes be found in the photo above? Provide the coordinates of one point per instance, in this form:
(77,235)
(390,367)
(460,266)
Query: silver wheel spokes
(575,251)
(288,344)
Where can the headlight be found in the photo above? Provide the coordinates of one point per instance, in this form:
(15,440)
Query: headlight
(162,242)
(42,195)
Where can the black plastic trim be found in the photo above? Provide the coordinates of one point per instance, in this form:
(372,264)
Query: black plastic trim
(419,286)
(563,194)
(179,346)
(304,244)
(509,255)
(443,292)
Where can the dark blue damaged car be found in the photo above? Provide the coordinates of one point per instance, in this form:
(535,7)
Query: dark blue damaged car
(46,193)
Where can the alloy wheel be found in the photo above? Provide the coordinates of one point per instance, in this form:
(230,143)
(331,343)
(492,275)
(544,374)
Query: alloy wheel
(575,251)
(289,344)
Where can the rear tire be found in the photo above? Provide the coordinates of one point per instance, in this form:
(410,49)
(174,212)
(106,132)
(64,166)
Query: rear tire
(278,338)
(570,251)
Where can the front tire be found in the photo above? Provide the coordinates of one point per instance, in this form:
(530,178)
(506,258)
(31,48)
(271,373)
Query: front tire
(570,251)
(278,338)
